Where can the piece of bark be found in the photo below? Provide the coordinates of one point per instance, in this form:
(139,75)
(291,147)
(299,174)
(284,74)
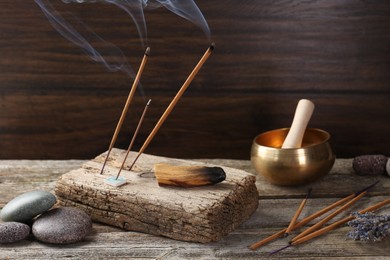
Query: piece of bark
(200,214)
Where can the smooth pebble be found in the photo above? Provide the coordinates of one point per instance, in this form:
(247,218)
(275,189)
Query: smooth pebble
(370,164)
(27,206)
(388,166)
(11,232)
(62,226)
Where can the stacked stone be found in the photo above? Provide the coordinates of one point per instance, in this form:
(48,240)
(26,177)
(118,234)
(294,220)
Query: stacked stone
(57,226)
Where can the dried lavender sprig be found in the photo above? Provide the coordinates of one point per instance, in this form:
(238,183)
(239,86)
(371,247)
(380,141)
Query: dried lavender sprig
(369,227)
(334,225)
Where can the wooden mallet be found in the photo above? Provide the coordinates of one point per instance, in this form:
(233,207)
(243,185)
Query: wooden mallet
(301,119)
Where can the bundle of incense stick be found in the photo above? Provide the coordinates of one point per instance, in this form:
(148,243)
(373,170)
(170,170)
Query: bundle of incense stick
(351,198)
(332,226)
(163,117)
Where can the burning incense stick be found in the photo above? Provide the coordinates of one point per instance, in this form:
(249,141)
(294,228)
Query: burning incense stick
(295,217)
(306,220)
(331,226)
(326,219)
(127,104)
(133,138)
(174,101)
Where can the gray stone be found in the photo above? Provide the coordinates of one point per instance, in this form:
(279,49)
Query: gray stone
(388,167)
(27,206)
(62,226)
(370,164)
(11,232)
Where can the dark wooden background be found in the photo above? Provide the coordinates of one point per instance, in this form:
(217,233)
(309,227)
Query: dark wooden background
(56,103)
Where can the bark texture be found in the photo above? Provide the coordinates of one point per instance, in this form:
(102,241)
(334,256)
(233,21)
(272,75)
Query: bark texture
(201,214)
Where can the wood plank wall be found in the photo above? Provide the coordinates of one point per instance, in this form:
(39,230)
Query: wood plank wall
(56,103)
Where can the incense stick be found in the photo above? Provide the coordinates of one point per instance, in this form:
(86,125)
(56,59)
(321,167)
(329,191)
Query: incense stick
(306,220)
(133,138)
(338,223)
(332,215)
(127,104)
(174,101)
(332,206)
(268,239)
(301,223)
(330,227)
(297,213)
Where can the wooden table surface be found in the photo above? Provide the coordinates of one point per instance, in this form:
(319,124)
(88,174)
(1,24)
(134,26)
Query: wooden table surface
(276,207)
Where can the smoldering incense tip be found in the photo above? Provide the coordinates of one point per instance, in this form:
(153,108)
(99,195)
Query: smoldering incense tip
(147,51)
(212,46)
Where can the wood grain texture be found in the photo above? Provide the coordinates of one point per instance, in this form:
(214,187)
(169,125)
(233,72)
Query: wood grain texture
(56,103)
(18,176)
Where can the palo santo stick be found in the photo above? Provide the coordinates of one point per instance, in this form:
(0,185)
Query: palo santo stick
(297,213)
(188,176)
(306,220)
(338,223)
(326,219)
(127,104)
(174,101)
(133,138)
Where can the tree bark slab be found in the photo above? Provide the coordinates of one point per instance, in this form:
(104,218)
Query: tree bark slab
(202,214)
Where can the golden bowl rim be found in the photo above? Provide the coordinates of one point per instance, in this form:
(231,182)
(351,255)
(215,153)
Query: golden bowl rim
(286,128)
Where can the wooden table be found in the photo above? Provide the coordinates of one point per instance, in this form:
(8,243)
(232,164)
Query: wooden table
(276,207)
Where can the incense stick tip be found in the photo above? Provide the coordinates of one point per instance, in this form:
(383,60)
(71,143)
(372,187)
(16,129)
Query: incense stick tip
(280,249)
(149,102)
(367,188)
(212,46)
(147,51)
(309,193)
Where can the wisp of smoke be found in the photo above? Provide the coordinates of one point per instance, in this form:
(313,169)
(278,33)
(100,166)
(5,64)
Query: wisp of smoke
(135,9)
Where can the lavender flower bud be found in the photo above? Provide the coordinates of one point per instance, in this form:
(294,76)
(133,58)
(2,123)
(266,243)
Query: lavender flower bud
(369,227)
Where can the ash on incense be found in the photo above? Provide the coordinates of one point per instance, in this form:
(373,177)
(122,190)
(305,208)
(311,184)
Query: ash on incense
(369,227)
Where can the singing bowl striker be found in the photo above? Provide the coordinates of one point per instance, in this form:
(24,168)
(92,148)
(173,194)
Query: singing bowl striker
(292,166)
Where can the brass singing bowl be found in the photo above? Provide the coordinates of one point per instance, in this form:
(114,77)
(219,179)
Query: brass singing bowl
(292,166)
